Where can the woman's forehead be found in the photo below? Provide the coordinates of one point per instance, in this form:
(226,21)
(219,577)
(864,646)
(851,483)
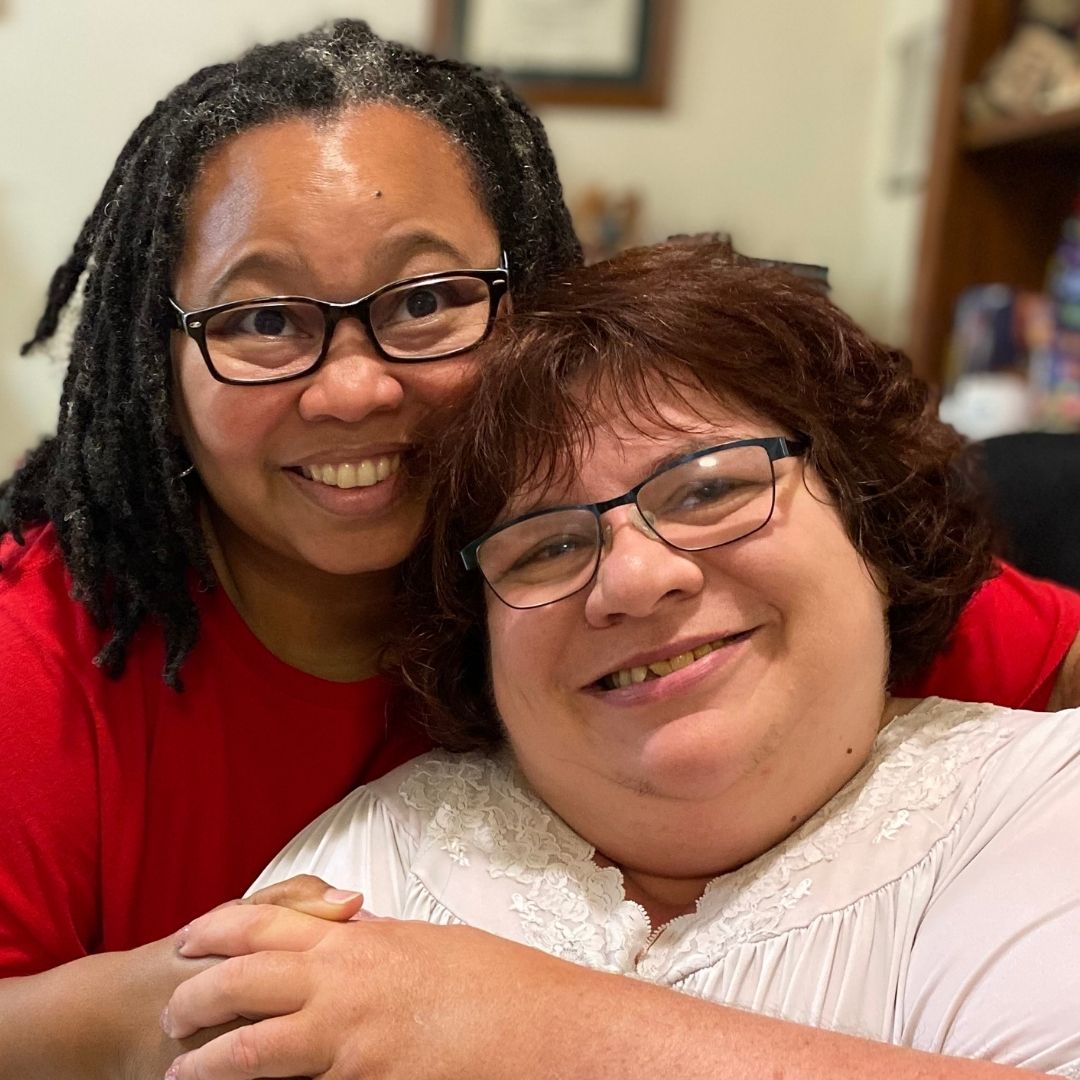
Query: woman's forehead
(620,444)
(327,190)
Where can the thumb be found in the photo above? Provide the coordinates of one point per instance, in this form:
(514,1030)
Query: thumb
(312,896)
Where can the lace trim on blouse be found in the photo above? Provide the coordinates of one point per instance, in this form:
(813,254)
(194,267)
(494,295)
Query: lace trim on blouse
(480,806)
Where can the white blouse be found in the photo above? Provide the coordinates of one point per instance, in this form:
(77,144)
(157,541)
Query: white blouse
(934,902)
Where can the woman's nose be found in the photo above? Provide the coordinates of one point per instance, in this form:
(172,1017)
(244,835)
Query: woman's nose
(638,572)
(354,380)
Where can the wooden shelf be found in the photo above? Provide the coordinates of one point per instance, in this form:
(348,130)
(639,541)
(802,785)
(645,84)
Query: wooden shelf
(1057,129)
(997,193)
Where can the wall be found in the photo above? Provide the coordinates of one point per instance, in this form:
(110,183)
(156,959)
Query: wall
(778,130)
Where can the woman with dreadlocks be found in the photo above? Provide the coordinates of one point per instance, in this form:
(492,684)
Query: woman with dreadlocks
(199,569)
(287,270)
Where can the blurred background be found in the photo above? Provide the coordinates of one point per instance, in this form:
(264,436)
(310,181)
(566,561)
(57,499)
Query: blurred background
(871,137)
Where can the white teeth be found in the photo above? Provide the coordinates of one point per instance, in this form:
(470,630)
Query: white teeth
(350,474)
(659,668)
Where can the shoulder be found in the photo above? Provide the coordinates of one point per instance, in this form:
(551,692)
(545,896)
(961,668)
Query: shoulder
(392,816)
(984,746)
(1021,769)
(435,826)
(1004,918)
(47,639)
(1013,593)
(924,799)
(1008,645)
(418,796)
(33,577)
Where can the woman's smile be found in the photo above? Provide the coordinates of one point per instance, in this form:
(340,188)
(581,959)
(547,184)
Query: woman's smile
(676,671)
(352,489)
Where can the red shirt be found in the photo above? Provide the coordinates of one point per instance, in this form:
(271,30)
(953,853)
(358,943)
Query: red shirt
(1008,645)
(127,808)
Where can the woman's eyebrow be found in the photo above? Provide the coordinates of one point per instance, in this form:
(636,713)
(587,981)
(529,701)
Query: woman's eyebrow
(671,455)
(691,446)
(274,263)
(255,263)
(423,242)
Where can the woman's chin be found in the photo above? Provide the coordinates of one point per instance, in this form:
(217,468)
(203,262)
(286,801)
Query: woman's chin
(698,755)
(358,560)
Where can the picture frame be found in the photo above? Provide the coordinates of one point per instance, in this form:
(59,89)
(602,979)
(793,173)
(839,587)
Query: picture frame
(565,52)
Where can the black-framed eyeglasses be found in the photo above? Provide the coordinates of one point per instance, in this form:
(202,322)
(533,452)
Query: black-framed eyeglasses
(272,339)
(703,500)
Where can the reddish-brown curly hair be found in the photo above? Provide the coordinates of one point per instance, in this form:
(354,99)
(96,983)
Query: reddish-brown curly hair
(688,316)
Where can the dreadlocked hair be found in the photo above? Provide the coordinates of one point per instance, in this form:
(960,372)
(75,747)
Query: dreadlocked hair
(108,481)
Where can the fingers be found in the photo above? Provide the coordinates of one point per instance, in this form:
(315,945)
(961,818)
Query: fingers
(244,987)
(272,1048)
(312,896)
(247,928)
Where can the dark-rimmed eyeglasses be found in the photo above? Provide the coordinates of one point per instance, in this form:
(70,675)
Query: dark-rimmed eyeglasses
(702,500)
(273,339)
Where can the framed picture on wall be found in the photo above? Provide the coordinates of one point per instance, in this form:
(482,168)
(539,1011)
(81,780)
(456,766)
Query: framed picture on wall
(565,52)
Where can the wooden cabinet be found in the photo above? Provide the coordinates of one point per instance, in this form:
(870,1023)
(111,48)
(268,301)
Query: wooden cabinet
(997,193)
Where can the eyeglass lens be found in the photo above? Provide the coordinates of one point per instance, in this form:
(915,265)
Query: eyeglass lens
(698,504)
(271,339)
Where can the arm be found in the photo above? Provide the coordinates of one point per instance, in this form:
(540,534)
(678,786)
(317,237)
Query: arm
(389,999)
(1066,693)
(99,1017)
(96,1017)
(63,1013)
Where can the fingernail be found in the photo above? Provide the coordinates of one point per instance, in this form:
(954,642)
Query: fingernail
(339,896)
(363,914)
(174,1069)
(181,937)
(164,1021)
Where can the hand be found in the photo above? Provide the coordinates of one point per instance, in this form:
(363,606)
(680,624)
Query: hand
(377,998)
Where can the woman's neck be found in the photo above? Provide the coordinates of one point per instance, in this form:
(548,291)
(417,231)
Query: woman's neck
(323,624)
(667,886)
(663,898)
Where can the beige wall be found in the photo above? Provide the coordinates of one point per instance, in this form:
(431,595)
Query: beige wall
(778,131)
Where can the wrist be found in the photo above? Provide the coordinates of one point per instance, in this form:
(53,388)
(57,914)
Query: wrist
(55,1025)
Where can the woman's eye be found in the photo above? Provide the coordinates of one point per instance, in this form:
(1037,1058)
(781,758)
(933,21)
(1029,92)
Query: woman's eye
(442,299)
(548,551)
(704,493)
(266,322)
(421,303)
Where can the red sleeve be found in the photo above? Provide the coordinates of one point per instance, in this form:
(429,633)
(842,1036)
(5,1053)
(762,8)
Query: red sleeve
(49,879)
(1008,646)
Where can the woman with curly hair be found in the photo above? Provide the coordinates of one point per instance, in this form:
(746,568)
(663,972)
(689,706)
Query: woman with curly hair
(690,535)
